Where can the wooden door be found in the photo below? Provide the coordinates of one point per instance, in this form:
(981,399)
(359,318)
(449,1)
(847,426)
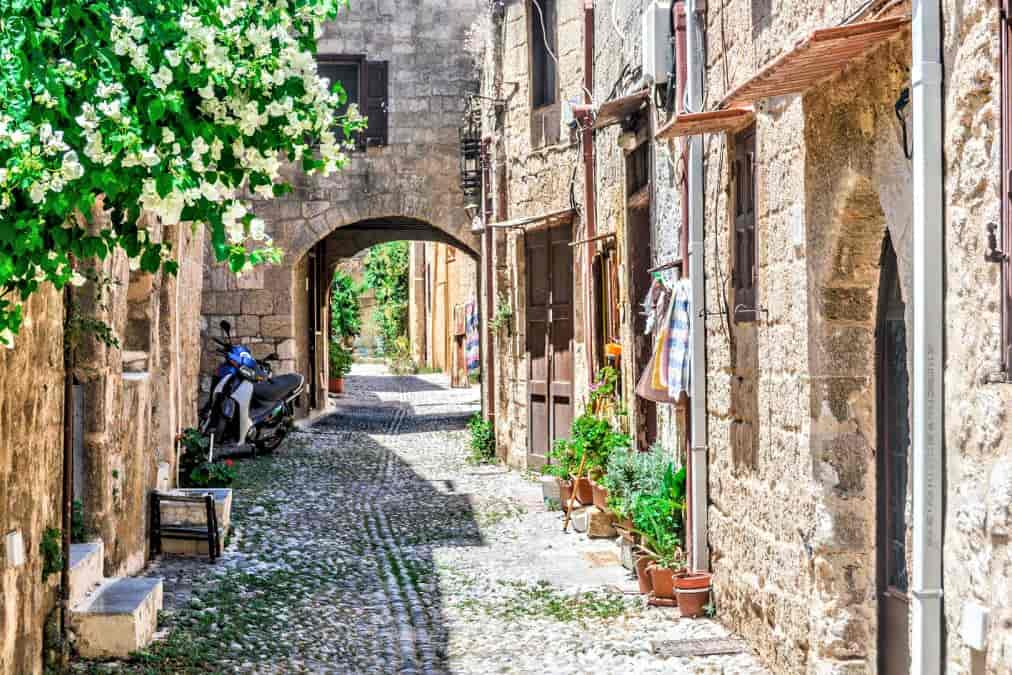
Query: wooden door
(549,339)
(892,464)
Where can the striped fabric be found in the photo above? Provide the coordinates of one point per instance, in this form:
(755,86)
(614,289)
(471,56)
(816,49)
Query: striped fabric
(472,340)
(679,356)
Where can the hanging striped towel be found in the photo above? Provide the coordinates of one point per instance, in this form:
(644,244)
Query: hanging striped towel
(679,356)
(472,340)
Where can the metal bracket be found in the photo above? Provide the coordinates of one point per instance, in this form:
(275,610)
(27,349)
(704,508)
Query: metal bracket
(754,310)
(994,254)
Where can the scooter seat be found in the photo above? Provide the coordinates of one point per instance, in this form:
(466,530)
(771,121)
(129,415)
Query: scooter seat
(276,389)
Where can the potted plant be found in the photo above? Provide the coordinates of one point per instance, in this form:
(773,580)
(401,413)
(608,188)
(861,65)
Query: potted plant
(562,464)
(340,366)
(629,473)
(693,591)
(594,439)
(657,516)
(642,560)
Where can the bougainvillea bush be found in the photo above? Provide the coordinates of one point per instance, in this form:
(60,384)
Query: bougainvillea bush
(174,107)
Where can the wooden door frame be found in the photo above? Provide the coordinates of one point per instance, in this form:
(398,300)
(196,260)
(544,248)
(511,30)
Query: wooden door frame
(534,460)
(888,275)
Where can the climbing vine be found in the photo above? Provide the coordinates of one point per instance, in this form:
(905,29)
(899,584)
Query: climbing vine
(386,272)
(176,107)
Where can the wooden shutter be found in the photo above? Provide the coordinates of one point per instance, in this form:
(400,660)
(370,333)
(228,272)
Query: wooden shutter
(745,244)
(377,96)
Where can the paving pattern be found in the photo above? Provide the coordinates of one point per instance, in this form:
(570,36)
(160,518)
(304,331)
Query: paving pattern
(367,544)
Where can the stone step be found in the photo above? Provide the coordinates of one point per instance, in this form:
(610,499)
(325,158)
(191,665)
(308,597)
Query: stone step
(118,618)
(86,561)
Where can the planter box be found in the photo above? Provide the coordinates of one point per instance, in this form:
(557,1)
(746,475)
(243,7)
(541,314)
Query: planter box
(176,513)
(600,496)
(592,520)
(584,491)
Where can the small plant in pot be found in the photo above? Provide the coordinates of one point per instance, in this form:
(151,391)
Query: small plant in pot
(593,440)
(629,473)
(693,591)
(562,464)
(642,561)
(340,366)
(657,516)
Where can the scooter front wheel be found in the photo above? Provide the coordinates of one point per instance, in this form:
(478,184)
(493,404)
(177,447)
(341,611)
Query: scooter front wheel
(269,445)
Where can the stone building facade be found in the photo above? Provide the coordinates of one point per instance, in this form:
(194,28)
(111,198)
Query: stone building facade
(131,401)
(406,61)
(808,326)
(442,283)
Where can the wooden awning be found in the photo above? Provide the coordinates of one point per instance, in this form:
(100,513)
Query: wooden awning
(617,110)
(550,218)
(824,53)
(713,121)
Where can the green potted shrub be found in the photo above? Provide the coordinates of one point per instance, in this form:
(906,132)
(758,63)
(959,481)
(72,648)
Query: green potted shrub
(595,439)
(658,517)
(340,365)
(563,462)
(629,473)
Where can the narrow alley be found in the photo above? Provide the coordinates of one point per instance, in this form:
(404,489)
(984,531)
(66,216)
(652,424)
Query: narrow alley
(368,544)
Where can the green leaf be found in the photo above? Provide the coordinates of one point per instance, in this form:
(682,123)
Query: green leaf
(156,110)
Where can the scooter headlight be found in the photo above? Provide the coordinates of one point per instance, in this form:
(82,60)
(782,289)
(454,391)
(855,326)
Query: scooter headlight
(247,372)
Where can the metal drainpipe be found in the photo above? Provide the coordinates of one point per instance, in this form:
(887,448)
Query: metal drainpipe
(488,356)
(590,203)
(928,352)
(697,337)
(678,20)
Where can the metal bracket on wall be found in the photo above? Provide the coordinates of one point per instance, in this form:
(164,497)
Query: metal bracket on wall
(994,254)
(754,310)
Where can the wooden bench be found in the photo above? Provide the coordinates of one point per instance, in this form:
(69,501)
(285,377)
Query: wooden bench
(209,533)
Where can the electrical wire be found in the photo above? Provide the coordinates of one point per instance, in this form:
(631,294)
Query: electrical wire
(544,36)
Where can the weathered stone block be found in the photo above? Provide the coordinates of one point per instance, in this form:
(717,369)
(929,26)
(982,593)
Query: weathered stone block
(276,326)
(258,302)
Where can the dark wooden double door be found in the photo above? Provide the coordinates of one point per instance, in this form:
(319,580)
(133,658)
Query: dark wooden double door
(549,331)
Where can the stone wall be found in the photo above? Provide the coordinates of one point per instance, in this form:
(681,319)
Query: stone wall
(618,72)
(31,460)
(978,437)
(133,397)
(415,176)
(537,181)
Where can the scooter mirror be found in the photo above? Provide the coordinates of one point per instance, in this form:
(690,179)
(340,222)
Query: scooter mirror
(226,328)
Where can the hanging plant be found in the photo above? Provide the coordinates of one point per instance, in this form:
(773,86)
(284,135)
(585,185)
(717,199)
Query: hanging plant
(169,106)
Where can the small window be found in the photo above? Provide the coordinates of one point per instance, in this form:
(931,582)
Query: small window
(544,72)
(546,120)
(744,273)
(367,85)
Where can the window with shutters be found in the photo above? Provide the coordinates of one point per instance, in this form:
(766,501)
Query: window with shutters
(744,245)
(366,84)
(544,75)
(1006,188)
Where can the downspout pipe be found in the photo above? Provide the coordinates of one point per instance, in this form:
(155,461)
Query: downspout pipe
(589,185)
(697,335)
(928,351)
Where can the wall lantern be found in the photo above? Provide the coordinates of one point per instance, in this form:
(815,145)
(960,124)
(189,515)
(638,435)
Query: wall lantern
(470,164)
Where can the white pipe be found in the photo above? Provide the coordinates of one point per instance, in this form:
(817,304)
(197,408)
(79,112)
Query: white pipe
(697,336)
(928,351)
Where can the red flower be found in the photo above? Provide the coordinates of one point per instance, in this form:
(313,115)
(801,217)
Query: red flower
(229,462)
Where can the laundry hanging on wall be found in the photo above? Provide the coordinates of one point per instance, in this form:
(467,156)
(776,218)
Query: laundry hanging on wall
(666,377)
(653,382)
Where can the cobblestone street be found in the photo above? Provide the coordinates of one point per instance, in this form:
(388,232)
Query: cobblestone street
(367,544)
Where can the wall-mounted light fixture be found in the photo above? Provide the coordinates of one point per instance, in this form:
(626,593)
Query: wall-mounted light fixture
(470,163)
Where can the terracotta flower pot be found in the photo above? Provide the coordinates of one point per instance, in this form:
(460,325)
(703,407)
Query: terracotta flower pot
(584,491)
(600,496)
(336,385)
(565,493)
(643,562)
(693,591)
(663,580)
